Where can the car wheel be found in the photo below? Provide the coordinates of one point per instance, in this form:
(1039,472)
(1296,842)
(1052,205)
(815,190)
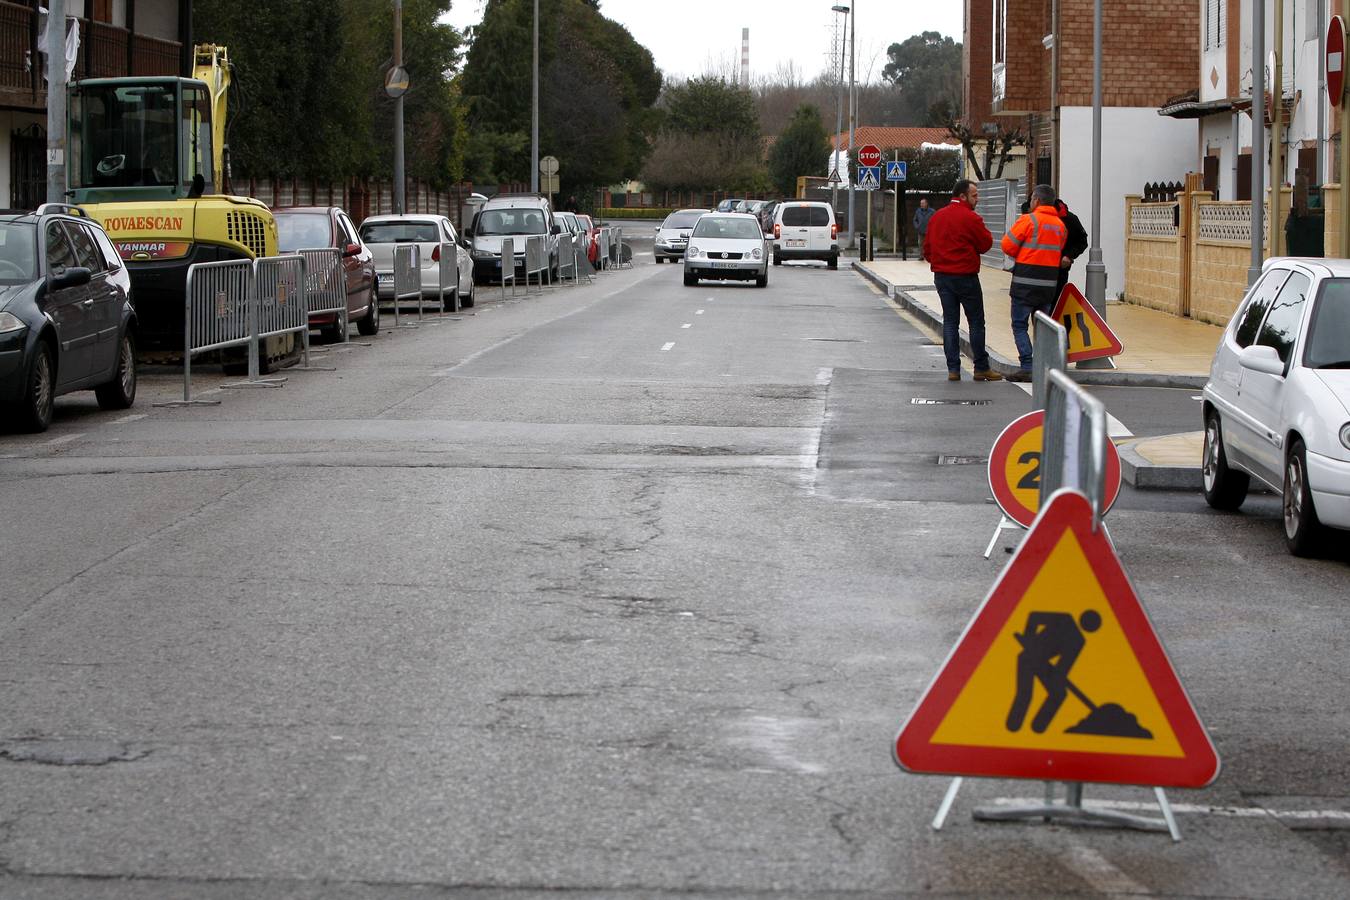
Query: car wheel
(39,395)
(762,280)
(120,392)
(1225,488)
(777,260)
(659,260)
(466,302)
(832,262)
(370,325)
(690,280)
(1302,528)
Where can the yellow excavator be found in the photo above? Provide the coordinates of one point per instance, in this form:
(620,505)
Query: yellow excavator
(146,157)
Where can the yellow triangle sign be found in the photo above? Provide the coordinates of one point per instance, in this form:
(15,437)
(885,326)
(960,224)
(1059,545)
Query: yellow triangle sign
(1089,335)
(1060,676)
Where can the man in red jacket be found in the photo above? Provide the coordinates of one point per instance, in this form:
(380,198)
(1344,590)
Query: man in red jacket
(956,237)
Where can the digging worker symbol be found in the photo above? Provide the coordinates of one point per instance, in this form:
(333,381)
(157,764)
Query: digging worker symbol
(1051,642)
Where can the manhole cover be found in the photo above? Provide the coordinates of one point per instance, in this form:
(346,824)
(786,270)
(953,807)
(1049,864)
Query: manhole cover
(925,401)
(962,460)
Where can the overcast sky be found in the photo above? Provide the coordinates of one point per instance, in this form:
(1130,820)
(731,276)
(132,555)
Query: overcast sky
(689,37)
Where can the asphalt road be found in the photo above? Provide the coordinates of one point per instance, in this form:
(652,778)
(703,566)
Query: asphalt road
(622,590)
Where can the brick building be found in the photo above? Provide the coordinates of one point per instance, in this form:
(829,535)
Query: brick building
(117,37)
(1029,64)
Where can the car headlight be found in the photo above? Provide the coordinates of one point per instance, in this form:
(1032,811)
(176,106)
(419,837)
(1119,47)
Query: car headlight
(1345,435)
(692,251)
(483,254)
(10,323)
(757,253)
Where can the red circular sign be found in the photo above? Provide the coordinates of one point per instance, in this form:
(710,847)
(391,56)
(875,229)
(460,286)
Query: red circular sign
(869,155)
(1335,61)
(1015,469)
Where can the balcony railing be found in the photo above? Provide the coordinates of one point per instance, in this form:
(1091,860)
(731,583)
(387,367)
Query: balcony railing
(106,51)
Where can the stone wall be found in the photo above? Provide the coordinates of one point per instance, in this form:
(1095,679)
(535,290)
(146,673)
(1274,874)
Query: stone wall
(1153,256)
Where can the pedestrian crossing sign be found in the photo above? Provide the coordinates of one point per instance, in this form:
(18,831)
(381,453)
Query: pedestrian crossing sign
(1060,676)
(1089,335)
(869,178)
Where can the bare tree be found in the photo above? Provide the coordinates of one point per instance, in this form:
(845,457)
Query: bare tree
(998,144)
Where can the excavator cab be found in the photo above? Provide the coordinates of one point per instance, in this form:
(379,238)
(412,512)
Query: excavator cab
(140,139)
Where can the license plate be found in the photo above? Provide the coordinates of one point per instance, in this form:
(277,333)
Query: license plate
(725,265)
(796,243)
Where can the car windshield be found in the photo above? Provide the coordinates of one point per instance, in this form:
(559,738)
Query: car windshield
(727,227)
(585,222)
(681,220)
(1329,333)
(18,254)
(511,221)
(400,233)
(302,231)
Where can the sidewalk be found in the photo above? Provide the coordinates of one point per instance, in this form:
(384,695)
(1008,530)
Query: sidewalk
(1161,350)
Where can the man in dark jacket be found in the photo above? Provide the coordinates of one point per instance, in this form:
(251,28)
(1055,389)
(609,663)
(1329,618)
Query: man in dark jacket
(1074,244)
(955,238)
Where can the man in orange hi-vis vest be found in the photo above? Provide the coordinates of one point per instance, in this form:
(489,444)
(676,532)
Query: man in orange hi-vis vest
(1036,245)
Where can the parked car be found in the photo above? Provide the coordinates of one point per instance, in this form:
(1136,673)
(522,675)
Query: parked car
(515,216)
(66,318)
(672,236)
(429,232)
(311,227)
(765,214)
(1277,405)
(805,229)
(571,225)
(726,246)
(593,232)
(727,205)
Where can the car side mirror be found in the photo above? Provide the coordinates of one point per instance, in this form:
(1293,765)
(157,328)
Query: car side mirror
(351,250)
(468,233)
(73,276)
(1260,358)
(557,229)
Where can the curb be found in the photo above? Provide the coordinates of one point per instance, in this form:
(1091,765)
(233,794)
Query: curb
(1004,366)
(1147,476)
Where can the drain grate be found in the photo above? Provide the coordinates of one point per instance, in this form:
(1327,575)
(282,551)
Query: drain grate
(925,401)
(962,460)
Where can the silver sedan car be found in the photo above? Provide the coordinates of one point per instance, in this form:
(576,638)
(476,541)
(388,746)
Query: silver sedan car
(727,247)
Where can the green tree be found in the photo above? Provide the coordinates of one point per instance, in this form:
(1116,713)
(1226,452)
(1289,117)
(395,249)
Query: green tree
(711,105)
(802,149)
(926,71)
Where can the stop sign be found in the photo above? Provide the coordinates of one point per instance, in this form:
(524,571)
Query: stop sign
(869,155)
(1335,60)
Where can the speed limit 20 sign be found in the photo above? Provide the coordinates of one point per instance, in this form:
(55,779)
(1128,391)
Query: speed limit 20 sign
(1015,469)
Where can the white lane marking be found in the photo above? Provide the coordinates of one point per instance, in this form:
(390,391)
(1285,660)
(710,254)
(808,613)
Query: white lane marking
(1024,386)
(1232,812)
(65,438)
(698,312)
(131,418)
(1198,397)
(1116,428)
(668,346)
(711,299)
(824,375)
(687,325)
(1089,865)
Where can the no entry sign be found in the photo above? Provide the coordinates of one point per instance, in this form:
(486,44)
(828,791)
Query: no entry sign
(869,155)
(1336,60)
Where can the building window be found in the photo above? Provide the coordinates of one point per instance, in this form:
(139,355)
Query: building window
(1216,23)
(101,10)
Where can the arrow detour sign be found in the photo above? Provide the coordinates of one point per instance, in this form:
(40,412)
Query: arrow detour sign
(1015,468)
(1060,676)
(1089,335)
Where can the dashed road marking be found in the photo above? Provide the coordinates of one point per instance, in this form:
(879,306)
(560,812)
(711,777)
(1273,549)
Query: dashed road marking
(698,312)
(667,346)
(687,325)
(131,418)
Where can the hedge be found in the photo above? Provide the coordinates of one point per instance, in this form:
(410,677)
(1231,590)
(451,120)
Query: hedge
(628,212)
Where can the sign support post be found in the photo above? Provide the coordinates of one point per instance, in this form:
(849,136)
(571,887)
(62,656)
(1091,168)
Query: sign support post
(1335,74)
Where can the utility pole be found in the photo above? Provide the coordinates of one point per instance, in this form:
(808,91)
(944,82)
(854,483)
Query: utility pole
(1259,136)
(56,101)
(1096,269)
(1277,134)
(839,110)
(399,176)
(534,110)
(852,121)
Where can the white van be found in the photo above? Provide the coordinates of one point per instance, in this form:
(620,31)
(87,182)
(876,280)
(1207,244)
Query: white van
(515,216)
(805,229)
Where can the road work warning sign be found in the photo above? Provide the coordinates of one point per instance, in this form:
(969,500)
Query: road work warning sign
(1060,676)
(1089,335)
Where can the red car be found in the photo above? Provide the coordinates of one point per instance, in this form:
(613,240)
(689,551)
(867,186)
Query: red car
(309,227)
(593,232)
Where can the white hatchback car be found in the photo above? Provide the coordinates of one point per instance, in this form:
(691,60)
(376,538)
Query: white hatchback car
(430,233)
(1277,405)
(726,246)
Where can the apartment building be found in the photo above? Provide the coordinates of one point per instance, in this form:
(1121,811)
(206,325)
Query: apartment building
(1029,64)
(116,37)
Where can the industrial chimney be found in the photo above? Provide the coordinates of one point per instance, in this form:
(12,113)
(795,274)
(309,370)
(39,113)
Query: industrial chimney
(745,58)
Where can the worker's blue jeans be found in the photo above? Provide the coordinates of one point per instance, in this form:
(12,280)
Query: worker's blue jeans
(957,293)
(1021,317)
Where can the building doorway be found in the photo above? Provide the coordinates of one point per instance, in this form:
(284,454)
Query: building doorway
(28,167)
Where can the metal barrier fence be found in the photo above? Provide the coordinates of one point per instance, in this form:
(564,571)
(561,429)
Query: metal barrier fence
(581,260)
(447,269)
(407,279)
(218,314)
(1073,448)
(508,265)
(603,257)
(326,285)
(1050,348)
(536,260)
(567,257)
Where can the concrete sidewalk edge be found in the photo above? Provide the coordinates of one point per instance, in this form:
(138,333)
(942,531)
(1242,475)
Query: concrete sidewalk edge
(1150,476)
(1001,364)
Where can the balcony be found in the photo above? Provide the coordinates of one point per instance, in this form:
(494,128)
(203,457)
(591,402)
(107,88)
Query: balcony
(105,52)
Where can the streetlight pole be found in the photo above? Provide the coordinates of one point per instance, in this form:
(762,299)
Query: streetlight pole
(1259,137)
(852,120)
(1096,269)
(839,110)
(400,178)
(56,101)
(534,110)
